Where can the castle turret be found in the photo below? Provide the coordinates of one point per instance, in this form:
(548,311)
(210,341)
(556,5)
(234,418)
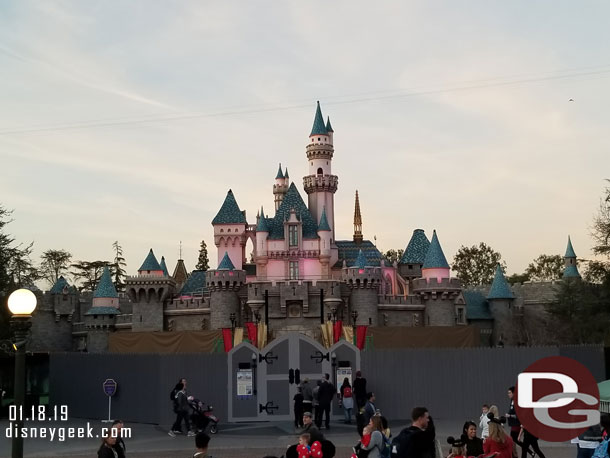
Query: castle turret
(413,258)
(164,266)
(500,298)
(100,319)
(262,234)
(324,233)
(149,291)
(438,291)
(321,185)
(364,281)
(224,284)
(230,231)
(180,274)
(570,262)
(357,221)
(280,187)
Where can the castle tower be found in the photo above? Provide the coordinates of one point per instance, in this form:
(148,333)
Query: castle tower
(412,260)
(100,319)
(224,284)
(440,293)
(180,274)
(500,298)
(262,234)
(164,266)
(324,233)
(364,281)
(280,187)
(149,290)
(357,221)
(230,231)
(321,185)
(570,262)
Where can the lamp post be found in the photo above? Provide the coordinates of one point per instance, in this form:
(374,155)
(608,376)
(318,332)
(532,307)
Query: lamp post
(254,381)
(354,318)
(232,318)
(21,304)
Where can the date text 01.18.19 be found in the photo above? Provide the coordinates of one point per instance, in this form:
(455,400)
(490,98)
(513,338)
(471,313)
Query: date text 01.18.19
(38,413)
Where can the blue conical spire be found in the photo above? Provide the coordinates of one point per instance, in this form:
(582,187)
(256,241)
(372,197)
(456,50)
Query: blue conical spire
(435,258)
(262,223)
(329,128)
(286,173)
(318,123)
(229,213)
(323,226)
(361,261)
(105,288)
(416,250)
(499,287)
(226,263)
(280,175)
(164,267)
(569,250)
(150,263)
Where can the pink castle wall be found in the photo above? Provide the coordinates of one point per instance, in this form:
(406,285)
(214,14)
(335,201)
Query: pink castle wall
(435,273)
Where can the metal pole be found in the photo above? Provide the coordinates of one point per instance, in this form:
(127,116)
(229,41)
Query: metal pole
(20,329)
(321,306)
(109,404)
(267,313)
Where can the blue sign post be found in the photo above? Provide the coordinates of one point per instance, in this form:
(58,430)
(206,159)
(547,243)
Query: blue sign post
(110,387)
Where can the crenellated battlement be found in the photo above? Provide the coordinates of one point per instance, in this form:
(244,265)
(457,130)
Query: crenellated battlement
(225,280)
(317,183)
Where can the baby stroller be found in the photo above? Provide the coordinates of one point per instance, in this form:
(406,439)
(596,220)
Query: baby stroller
(203,418)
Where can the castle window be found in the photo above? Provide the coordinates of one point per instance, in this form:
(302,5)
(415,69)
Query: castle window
(222,230)
(228,230)
(293,270)
(318,138)
(410,267)
(460,315)
(293,236)
(320,171)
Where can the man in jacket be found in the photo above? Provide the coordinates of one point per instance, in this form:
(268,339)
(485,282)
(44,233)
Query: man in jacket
(359,390)
(416,441)
(326,394)
(307,392)
(311,429)
(511,417)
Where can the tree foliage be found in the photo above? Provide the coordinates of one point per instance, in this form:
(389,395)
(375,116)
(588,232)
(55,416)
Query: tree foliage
(518,278)
(601,226)
(88,273)
(394,255)
(54,264)
(203,263)
(119,267)
(476,265)
(545,268)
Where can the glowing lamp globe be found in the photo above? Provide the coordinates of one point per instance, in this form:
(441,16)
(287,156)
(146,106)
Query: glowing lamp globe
(22,302)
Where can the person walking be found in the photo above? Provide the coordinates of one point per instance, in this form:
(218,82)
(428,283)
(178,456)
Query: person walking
(182,413)
(513,421)
(307,392)
(317,412)
(119,446)
(378,440)
(369,407)
(107,450)
(347,400)
(417,440)
(360,390)
(530,440)
(298,408)
(325,398)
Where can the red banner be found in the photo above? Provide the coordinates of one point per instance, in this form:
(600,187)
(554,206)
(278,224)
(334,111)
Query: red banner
(252,333)
(227,337)
(360,336)
(337,329)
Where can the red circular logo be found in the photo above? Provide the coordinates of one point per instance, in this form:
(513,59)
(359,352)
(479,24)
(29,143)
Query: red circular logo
(556,399)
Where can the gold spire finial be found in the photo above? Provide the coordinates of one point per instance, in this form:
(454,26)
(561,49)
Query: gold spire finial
(357,221)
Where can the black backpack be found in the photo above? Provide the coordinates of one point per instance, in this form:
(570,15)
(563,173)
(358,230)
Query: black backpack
(399,441)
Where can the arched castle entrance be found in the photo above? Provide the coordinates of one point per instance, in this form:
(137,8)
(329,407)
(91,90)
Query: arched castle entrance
(263,383)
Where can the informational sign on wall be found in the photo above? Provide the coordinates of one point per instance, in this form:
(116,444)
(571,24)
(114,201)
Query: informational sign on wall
(244,382)
(343,372)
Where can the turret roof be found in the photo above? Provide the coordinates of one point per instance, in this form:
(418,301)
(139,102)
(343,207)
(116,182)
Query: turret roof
(195,284)
(329,128)
(226,263)
(500,288)
(164,266)
(361,261)
(180,272)
(318,123)
(59,286)
(416,250)
(229,213)
(477,307)
(349,251)
(150,263)
(286,173)
(292,200)
(569,250)
(105,287)
(323,226)
(571,272)
(262,223)
(435,258)
(280,175)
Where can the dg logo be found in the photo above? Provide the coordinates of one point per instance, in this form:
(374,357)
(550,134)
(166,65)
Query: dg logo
(557,399)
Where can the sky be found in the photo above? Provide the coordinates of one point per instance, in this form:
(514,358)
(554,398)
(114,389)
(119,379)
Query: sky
(130,121)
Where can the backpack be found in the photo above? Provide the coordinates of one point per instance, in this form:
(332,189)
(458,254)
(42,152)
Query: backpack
(386,450)
(601,451)
(347,392)
(398,441)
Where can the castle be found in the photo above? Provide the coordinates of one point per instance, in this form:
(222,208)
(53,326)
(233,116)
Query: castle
(301,271)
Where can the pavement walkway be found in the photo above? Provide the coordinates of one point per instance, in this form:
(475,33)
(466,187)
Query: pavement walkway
(252,440)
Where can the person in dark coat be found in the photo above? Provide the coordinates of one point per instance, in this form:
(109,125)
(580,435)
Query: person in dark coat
(107,450)
(474,444)
(417,441)
(119,446)
(311,429)
(298,408)
(325,398)
(511,418)
(359,391)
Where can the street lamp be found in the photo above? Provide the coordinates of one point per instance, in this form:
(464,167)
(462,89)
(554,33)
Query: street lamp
(232,318)
(354,318)
(21,304)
